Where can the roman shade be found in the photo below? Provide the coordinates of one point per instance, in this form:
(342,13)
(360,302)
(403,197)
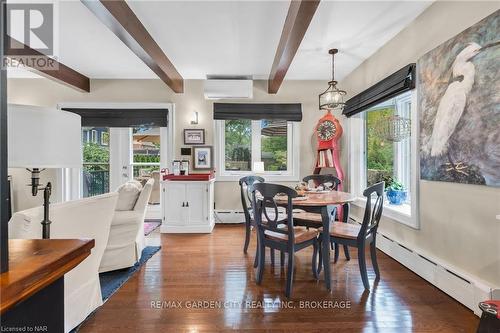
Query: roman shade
(234,111)
(96,117)
(395,84)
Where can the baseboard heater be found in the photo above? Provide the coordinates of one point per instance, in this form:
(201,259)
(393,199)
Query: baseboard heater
(229,216)
(465,289)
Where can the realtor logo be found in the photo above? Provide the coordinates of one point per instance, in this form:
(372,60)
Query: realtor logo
(31,25)
(30,36)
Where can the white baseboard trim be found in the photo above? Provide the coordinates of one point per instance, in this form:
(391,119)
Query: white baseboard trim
(229,216)
(465,289)
(182,229)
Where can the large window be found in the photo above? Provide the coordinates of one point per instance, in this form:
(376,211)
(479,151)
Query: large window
(381,152)
(241,143)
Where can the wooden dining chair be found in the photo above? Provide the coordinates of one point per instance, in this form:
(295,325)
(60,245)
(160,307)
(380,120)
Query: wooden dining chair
(246,186)
(322,180)
(280,234)
(359,236)
(313,220)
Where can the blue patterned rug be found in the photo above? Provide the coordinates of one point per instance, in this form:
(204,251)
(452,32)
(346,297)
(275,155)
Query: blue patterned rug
(112,281)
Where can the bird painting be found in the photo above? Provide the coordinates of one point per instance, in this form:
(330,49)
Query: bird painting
(459,103)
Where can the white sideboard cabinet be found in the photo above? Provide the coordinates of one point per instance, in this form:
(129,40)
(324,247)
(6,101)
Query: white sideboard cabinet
(187,206)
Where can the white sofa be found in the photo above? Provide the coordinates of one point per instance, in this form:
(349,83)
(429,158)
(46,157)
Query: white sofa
(85,218)
(126,237)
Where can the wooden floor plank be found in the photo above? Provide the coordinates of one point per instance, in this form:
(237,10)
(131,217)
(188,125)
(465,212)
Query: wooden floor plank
(212,267)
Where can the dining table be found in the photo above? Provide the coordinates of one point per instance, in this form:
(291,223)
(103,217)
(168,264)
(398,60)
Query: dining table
(323,203)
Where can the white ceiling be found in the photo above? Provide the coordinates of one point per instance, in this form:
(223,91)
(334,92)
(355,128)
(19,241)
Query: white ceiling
(231,37)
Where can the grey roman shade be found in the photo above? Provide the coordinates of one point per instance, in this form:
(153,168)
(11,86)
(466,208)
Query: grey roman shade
(96,117)
(255,111)
(395,84)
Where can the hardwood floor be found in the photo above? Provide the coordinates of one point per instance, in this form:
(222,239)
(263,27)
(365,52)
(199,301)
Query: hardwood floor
(212,267)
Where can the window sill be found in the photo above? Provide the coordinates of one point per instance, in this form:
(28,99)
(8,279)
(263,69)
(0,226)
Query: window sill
(399,213)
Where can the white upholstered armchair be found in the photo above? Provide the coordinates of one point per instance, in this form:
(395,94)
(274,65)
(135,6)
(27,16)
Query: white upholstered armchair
(85,218)
(126,237)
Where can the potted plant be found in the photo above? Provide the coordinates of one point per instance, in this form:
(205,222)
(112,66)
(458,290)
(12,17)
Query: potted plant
(396,192)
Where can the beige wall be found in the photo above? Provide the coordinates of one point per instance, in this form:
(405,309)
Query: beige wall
(43,92)
(457,221)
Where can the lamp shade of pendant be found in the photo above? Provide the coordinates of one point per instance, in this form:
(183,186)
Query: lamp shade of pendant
(332,98)
(43,138)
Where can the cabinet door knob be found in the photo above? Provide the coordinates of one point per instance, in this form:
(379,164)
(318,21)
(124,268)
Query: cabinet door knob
(187,203)
(183,204)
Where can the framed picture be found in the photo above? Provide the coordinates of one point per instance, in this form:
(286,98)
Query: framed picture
(194,136)
(202,158)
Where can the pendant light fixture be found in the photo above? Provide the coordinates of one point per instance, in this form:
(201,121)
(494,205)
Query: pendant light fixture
(333,97)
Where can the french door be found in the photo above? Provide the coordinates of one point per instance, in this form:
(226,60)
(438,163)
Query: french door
(113,156)
(137,153)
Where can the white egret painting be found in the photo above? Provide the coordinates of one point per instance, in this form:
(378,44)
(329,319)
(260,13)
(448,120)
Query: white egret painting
(459,107)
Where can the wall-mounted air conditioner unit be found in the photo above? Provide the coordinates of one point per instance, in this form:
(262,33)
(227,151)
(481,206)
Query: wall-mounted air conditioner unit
(228,89)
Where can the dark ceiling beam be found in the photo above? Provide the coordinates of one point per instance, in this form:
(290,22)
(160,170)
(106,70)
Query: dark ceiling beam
(45,66)
(300,14)
(122,21)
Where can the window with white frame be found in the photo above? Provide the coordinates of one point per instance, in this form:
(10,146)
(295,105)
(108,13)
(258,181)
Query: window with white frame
(243,142)
(375,157)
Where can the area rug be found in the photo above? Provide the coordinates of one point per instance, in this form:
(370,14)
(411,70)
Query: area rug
(112,281)
(151,225)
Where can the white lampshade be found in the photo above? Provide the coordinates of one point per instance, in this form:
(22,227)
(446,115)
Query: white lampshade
(258,167)
(43,138)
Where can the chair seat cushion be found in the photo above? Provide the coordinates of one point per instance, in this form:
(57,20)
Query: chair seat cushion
(343,230)
(301,234)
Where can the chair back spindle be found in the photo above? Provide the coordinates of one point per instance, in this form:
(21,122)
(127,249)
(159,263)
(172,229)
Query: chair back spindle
(373,213)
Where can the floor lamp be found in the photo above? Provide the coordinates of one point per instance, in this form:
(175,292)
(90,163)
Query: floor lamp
(42,138)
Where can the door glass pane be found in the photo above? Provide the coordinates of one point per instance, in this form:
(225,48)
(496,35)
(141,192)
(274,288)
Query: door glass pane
(95,174)
(146,153)
(274,144)
(238,150)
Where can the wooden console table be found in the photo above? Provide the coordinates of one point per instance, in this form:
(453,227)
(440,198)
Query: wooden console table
(33,289)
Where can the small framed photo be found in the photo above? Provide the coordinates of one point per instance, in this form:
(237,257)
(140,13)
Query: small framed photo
(202,158)
(194,136)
